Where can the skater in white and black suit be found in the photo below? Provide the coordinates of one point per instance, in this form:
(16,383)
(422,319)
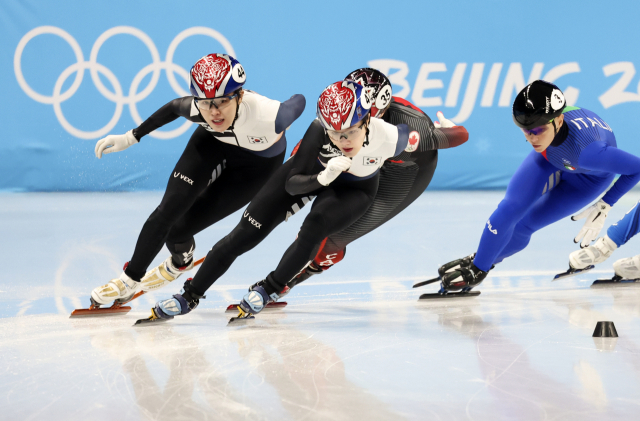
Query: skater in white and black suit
(240,143)
(338,161)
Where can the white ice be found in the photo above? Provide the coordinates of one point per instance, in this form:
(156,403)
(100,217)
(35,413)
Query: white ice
(354,343)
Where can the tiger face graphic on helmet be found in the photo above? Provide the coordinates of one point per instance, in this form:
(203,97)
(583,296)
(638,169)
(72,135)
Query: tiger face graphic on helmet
(216,75)
(342,105)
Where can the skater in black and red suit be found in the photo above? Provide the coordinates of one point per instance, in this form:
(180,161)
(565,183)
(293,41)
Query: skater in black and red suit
(402,179)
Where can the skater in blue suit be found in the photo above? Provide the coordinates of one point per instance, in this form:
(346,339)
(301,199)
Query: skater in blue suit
(617,235)
(574,161)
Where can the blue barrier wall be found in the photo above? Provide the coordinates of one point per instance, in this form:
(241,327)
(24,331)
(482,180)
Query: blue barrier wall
(75,71)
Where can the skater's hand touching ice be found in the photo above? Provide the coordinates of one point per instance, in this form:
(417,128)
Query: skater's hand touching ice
(596,215)
(115,143)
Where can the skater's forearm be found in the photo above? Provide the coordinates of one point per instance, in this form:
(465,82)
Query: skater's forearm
(302,184)
(165,115)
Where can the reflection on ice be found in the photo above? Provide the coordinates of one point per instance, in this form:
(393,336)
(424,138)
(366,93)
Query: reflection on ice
(353,343)
(605,344)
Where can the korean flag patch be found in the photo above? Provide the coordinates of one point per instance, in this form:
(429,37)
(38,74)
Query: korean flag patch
(371,160)
(255,140)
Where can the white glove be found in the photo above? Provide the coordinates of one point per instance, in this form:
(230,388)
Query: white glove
(596,215)
(335,166)
(115,143)
(443,123)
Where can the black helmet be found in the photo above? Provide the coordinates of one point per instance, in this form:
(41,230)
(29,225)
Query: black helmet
(537,104)
(376,85)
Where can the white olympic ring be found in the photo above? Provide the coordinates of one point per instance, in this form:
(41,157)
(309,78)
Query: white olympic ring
(94,68)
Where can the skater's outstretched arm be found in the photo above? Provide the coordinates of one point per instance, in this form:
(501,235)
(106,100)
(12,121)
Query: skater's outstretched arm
(166,114)
(599,156)
(427,136)
(623,230)
(179,107)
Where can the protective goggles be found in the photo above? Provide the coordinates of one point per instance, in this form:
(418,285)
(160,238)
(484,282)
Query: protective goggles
(222,102)
(537,130)
(349,134)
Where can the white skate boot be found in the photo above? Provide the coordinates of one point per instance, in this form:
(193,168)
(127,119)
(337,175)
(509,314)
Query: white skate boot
(594,254)
(163,275)
(628,268)
(120,289)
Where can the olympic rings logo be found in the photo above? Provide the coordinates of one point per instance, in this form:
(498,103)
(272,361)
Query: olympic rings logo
(95,68)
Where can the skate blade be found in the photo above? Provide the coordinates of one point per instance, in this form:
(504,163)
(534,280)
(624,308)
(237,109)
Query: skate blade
(118,307)
(614,282)
(271,306)
(571,272)
(149,321)
(450,295)
(241,318)
(153,319)
(430,281)
(97,312)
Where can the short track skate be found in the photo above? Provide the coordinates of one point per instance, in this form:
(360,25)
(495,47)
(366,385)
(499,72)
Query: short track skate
(277,305)
(571,272)
(442,294)
(152,319)
(615,281)
(241,318)
(448,295)
(118,307)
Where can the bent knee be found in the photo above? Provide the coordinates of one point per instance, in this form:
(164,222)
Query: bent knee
(314,228)
(172,208)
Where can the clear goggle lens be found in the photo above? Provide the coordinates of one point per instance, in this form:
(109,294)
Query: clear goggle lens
(350,133)
(207,104)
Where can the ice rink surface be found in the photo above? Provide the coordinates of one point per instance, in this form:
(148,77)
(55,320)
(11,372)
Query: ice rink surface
(353,344)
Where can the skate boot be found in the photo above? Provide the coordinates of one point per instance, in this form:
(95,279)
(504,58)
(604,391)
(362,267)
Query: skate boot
(271,303)
(628,268)
(450,267)
(597,253)
(163,275)
(462,279)
(256,300)
(281,294)
(178,305)
(120,290)
(465,262)
(306,273)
